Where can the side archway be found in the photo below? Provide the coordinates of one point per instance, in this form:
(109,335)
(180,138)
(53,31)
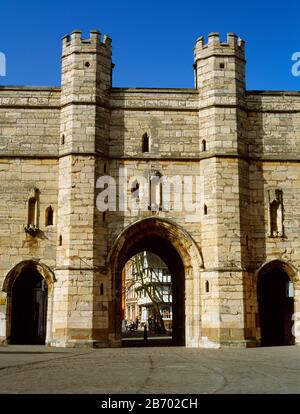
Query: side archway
(29,290)
(277,285)
(182,256)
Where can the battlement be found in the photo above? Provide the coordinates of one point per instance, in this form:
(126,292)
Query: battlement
(233,46)
(75,40)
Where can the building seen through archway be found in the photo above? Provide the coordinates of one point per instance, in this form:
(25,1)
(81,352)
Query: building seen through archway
(146,297)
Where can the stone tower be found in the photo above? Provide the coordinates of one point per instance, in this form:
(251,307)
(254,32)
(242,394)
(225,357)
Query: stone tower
(86,83)
(220,79)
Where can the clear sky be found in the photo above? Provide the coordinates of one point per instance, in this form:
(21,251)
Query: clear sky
(152,40)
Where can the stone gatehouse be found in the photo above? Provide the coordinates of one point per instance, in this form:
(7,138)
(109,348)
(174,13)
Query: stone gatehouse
(234,260)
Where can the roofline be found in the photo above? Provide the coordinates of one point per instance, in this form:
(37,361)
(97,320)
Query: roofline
(30,88)
(147,90)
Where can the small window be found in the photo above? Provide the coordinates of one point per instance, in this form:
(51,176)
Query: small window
(205,209)
(145,143)
(62,140)
(207,286)
(273,217)
(222,65)
(32,205)
(87,64)
(49,216)
(101,289)
(204,145)
(103,216)
(60,240)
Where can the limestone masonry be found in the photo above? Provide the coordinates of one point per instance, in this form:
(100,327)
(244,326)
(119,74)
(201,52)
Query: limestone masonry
(227,260)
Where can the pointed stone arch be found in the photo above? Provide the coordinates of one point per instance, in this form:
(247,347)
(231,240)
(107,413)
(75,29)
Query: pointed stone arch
(43,269)
(289,268)
(151,234)
(272,270)
(46,273)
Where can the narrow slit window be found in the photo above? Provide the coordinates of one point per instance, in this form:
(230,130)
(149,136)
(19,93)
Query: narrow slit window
(60,240)
(145,143)
(205,209)
(207,286)
(49,216)
(32,206)
(273,217)
(101,289)
(204,145)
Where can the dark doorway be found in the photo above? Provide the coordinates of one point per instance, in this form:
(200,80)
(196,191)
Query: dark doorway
(276,307)
(29,308)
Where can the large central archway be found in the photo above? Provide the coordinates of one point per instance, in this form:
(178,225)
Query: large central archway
(182,256)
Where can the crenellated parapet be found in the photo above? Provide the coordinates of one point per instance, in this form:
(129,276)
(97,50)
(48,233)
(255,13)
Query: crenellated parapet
(234,46)
(97,42)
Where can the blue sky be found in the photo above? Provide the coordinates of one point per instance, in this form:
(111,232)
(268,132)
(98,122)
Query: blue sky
(152,40)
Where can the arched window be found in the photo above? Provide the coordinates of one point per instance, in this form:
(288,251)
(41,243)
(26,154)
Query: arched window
(145,143)
(32,213)
(49,216)
(203,145)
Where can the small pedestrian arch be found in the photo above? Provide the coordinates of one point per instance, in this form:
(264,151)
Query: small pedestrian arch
(29,290)
(277,285)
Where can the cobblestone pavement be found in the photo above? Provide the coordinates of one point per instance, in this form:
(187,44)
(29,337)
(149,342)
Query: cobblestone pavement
(38,369)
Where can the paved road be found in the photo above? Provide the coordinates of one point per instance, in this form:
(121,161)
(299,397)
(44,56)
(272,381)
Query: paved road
(37,369)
